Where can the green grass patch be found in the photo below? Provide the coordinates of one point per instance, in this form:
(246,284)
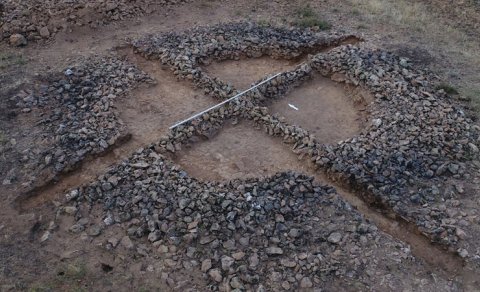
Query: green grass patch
(447,88)
(307,17)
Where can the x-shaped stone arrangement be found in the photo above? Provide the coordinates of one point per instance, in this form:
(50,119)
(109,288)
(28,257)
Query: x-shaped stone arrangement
(240,230)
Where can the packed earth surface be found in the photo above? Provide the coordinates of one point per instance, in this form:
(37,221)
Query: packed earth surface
(239,146)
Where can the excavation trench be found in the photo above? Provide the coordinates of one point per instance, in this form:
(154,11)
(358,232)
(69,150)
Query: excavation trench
(329,110)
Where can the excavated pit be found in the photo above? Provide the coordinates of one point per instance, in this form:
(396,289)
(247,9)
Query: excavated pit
(242,73)
(148,112)
(237,151)
(151,110)
(330,110)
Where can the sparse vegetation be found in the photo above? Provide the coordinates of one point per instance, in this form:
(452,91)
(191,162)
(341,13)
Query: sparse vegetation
(8,60)
(67,278)
(307,17)
(417,17)
(73,272)
(263,22)
(473,95)
(447,88)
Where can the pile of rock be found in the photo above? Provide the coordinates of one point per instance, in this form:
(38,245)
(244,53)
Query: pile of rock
(41,19)
(416,131)
(81,118)
(277,233)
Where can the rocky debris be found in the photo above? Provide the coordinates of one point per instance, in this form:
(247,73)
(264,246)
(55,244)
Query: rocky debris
(80,117)
(37,19)
(238,233)
(417,133)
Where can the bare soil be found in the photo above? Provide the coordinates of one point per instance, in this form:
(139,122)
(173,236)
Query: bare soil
(238,151)
(243,73)
(330,110)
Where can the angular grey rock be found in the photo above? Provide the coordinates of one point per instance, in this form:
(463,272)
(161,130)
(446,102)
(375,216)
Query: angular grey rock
(473,148)
(335,237)
(155,236)
(73,194)
(306,283)
(94,230)
(46,235)
(236,283)
(254,260)
(274,250)
(76,228)
(288,263)
(215,275)
(238,255)
(70,210)
(206,265)
(227,262)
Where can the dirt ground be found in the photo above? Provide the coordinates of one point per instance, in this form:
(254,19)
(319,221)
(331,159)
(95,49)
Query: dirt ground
(428,33)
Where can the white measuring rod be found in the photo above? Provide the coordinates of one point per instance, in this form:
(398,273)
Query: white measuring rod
(223,102)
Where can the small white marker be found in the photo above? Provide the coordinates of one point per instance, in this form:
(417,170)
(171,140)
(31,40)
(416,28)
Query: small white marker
(292,106)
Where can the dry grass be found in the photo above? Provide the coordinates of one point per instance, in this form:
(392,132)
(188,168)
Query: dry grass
(473,95)
(68,278)
(417,17)
(306,16)
(449,89)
